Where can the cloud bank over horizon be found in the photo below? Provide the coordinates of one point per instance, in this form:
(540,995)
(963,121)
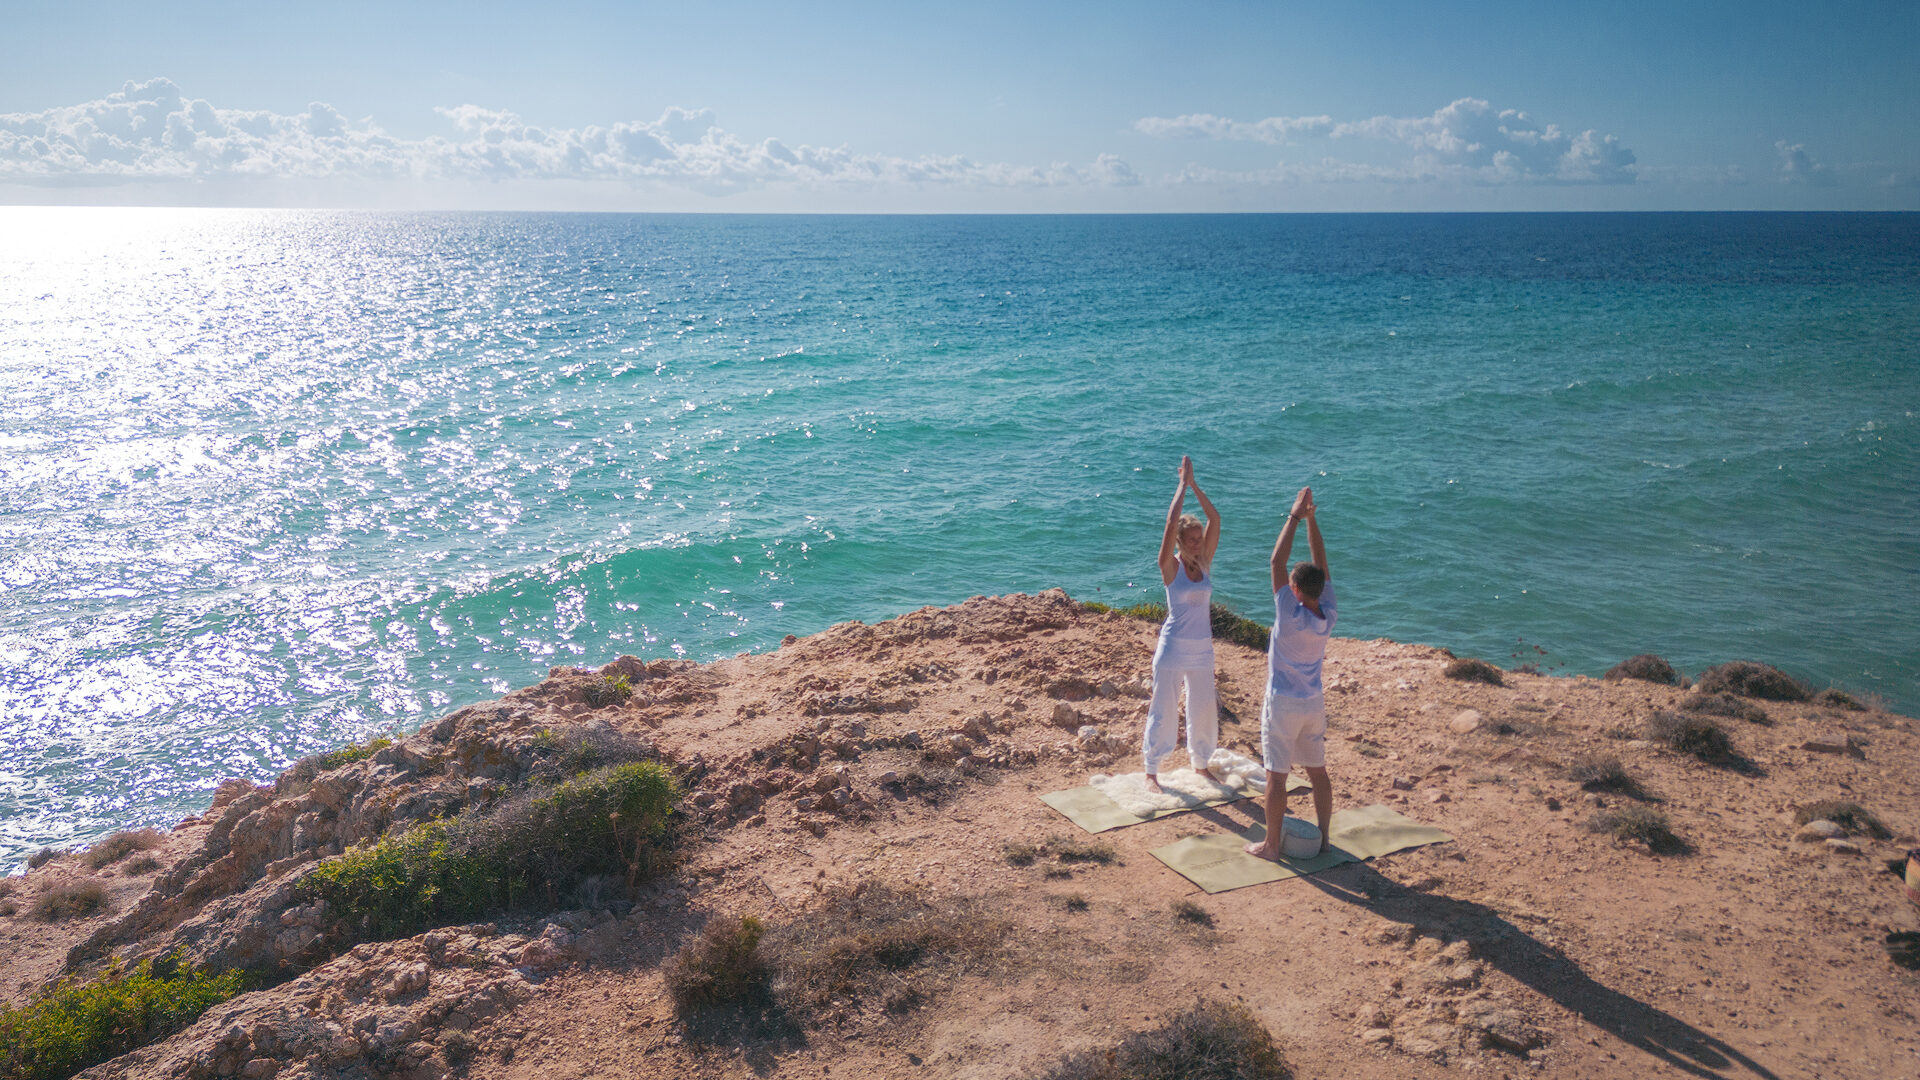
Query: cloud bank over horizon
(1467,141)
(151,131)
(152,140)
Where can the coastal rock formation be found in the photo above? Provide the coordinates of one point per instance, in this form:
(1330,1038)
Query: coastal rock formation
(911,753)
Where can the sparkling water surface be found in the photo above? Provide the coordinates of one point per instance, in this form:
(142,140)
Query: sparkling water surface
(275,481)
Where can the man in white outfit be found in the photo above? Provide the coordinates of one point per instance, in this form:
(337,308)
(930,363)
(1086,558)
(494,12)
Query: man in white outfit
(1293,719)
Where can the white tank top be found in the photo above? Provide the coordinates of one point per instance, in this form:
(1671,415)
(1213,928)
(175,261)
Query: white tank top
(1188,619)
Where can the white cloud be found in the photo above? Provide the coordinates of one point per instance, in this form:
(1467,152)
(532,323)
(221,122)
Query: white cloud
(151,131)
(1466,141)
(1798,167)
(1274,129)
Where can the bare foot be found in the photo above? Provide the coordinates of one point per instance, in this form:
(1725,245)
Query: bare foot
(1259,851)
(1153,782)
(1326,845)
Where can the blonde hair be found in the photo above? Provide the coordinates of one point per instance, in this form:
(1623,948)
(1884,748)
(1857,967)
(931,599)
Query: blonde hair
(1189,521)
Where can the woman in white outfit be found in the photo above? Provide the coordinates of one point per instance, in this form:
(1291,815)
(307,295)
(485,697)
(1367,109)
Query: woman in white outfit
(1185,652)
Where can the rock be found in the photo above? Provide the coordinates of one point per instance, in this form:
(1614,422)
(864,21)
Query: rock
(259,1068)
(1593,799)
(1505,1030)
(1639,744)
(1819,829)
(1843,847)
(1833,744)
(1438,797)
(1553,803)
(888,777)
(1393,934)
(1465,722)
(742,795)
(702,799)
(540,954)
(1065,715)
(1376,1037)
(1403,783)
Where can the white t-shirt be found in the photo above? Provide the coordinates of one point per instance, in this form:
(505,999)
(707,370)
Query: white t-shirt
(1299,644)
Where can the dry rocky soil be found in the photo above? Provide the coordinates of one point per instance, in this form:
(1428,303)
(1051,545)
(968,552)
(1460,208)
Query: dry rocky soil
(912,753)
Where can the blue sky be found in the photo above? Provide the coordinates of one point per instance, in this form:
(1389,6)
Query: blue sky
(985,106)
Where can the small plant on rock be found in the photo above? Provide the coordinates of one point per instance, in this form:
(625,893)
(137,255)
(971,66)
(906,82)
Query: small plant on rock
(607,690)
(347,755)
(1645,667)
(1467,669)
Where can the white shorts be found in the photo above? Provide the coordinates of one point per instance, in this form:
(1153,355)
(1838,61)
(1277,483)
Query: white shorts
(1293,732)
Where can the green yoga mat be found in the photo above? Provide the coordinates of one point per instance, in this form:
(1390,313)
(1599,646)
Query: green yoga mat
(1216,862)
(1086,807)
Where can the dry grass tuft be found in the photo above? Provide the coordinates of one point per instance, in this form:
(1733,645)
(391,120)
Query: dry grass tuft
(72,900)
(1596,772)
(144,864)
(1835,698)
(1645,667)
(122,844)
(1210,1041)
(1077,903)
(1640,824)
(42,857)
(1727,705)
(1690,733)
(1189,912)
(1468,669)
(721,967)
(875,942)
(1748,679)
(1848,815)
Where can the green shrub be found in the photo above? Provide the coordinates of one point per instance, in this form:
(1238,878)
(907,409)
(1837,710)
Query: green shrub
(347,755)
(721,967)
(76,1024)
(1642,824)
(1726,705)
(1149,611)
(1748,679)
(122,844)
(1228,625)
(1210,1041)
(535,846)
(71,900)
(1690,733)
(1468,669)
(1849,815)
(1645,667)
(607,690)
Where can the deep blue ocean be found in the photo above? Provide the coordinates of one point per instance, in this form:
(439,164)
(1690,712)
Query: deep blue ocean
(274,481)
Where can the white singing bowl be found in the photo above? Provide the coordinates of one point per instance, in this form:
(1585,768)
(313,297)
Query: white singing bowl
(1298,839)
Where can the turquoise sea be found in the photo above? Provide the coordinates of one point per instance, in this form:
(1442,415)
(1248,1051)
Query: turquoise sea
(275,481)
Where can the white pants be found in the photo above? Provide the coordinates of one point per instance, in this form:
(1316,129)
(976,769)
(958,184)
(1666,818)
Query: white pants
(1293,732)
(1163,712)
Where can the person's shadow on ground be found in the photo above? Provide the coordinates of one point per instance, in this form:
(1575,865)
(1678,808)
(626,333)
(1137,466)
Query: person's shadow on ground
(1546,969)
